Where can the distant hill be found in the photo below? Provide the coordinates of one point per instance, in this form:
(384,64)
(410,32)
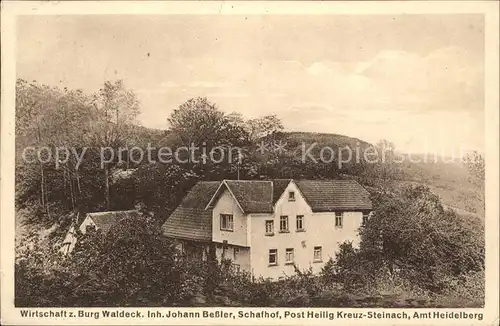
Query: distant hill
(449,179)
(451,182)
(324,139)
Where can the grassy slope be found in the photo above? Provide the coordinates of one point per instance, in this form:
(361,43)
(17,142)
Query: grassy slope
(450,181)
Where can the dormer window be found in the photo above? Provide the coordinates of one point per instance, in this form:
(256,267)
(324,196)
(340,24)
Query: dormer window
(291,196)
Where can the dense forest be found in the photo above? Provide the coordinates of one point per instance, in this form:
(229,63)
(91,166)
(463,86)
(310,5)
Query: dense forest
(424,245)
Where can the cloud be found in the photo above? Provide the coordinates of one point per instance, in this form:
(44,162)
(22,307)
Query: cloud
(168,84)
(207,84)
(229,94)
(324,67)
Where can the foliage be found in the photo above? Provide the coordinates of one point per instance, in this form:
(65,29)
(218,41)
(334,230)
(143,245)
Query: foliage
(132,265)
(49,120)
(475,164)
(414,235)
(414,251)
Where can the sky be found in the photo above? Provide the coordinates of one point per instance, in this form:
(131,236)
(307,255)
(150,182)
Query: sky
(416,80)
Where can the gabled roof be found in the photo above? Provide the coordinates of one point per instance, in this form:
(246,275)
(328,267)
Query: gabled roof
(279,186)
(334,195)
(190,220)
(254,196)
(105,220)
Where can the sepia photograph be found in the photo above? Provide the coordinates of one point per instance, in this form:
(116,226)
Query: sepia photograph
(259,160)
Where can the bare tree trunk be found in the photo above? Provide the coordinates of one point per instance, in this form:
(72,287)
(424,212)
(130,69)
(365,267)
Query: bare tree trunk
(42,185)
(71,191)
(78,182)
(64,178)
(47,205)
(77,177)
(106,170)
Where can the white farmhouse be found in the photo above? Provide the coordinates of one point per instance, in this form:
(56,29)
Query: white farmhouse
(268,227)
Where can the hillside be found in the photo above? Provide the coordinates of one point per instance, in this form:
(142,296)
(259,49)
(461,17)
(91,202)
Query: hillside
(325,139)
(449,179)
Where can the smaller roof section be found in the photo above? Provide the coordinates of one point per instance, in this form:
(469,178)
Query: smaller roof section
(190,220)
(252,196)
(279,186)
(105,220)
(335,195)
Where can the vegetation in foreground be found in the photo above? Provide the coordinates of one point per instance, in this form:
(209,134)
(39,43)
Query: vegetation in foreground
(413,253)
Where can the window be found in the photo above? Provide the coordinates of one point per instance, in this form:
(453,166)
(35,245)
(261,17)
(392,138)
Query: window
(273,257)
(269,227)
(366,215)
(284,224)
(236,253)
(338,219)
(300,222)
(289,256)
(226,222)
(318,254)
(291,196)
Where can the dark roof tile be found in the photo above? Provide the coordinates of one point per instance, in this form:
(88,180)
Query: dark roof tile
(254,196)
(105,220)
(332,195)
(279,185)
(190,220)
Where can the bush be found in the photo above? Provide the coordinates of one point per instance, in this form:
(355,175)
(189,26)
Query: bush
(133,265)
(412,236)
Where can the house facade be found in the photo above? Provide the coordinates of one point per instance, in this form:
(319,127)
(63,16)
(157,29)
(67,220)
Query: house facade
(270,227)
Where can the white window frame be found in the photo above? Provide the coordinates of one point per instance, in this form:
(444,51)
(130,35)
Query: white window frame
(291,196)
(227,225)
(339,216)
(318,254)
(273,252)
(301,219)
(269,231)
(289,255)
(284,218)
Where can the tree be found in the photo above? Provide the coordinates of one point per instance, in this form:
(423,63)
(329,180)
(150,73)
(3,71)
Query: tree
(115,110)
(161,187)
(49,118)
(199,121)
(475,164)
(264,127)
(413,235)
